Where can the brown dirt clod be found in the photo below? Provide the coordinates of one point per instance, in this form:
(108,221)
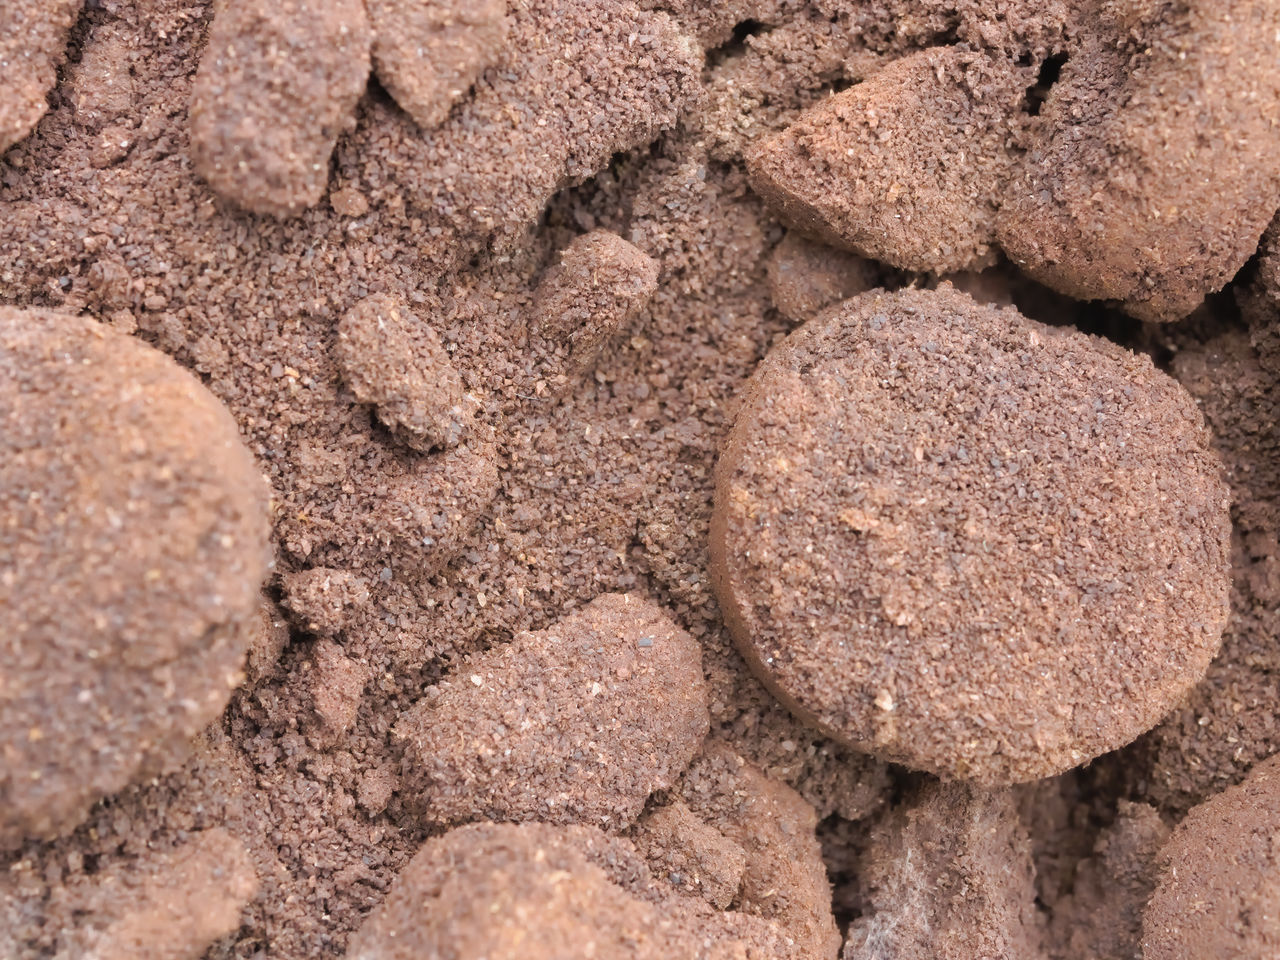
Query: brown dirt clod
(949,878)
(33,40)
(945,534)
(577,723)
(393,360)
(428,54)
(1219,892)
(135,545)
(540,892)
(600,283)
(278,82)
(907,167)
(1155,166)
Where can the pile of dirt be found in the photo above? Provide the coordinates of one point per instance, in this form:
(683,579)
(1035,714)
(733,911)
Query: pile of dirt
(480,288)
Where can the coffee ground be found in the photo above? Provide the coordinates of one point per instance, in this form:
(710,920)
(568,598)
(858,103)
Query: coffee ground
(602,116)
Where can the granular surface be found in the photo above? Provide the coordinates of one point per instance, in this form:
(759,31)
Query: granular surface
(480,286)
(135,540)
(968,542)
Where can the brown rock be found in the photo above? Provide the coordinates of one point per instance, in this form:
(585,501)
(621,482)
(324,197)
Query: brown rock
(691,854)
(277,84)
(1156,165)
(135,542)
(968,542)
(806,277)
(600,283)
(427,54)
(907,167)
(174,906)
(577,723)
(392,359)
(538,892)
(949,878)
(1219,892)
(33,39)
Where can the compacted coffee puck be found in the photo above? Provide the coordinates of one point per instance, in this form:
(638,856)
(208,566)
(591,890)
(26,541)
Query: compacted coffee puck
(968,542)
(133,539)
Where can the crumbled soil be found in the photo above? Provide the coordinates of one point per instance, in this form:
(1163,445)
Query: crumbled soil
(480,287)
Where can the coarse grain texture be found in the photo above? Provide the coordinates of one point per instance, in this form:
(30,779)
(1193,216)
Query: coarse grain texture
(268,635)
(277,84)
(577,723)
(1219,892)
(428,53)
(1155,166)
(323,601)
(1016,28)
(135,542)
(169,906)
(600,284)
(535,891)
(33,40)
(337,683)
(756,85)
(968,542)
(949,877)
(784,878)
(1261,301)
(1229,721)
(806,277)
(414,523)
(908,167)
(1269,268)
(715,24)
(606,489)
(394,360)
(1101,918)
(565,103)
(691,854)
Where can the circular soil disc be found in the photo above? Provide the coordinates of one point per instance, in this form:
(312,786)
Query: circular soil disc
(967,542)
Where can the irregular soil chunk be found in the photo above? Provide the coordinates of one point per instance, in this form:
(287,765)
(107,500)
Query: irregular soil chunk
(949,878)
(1219,892)
(33,40)
(539,892)
(1101,919)
(690,853)
(565,106)
(784,878)
(174,906)
(806,277)
(600,283)
(392,359)
(427,53)
(907,167)
(1156,165)
(577,723)
(277,83)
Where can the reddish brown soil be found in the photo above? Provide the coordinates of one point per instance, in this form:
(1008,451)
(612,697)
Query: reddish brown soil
(479,286)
